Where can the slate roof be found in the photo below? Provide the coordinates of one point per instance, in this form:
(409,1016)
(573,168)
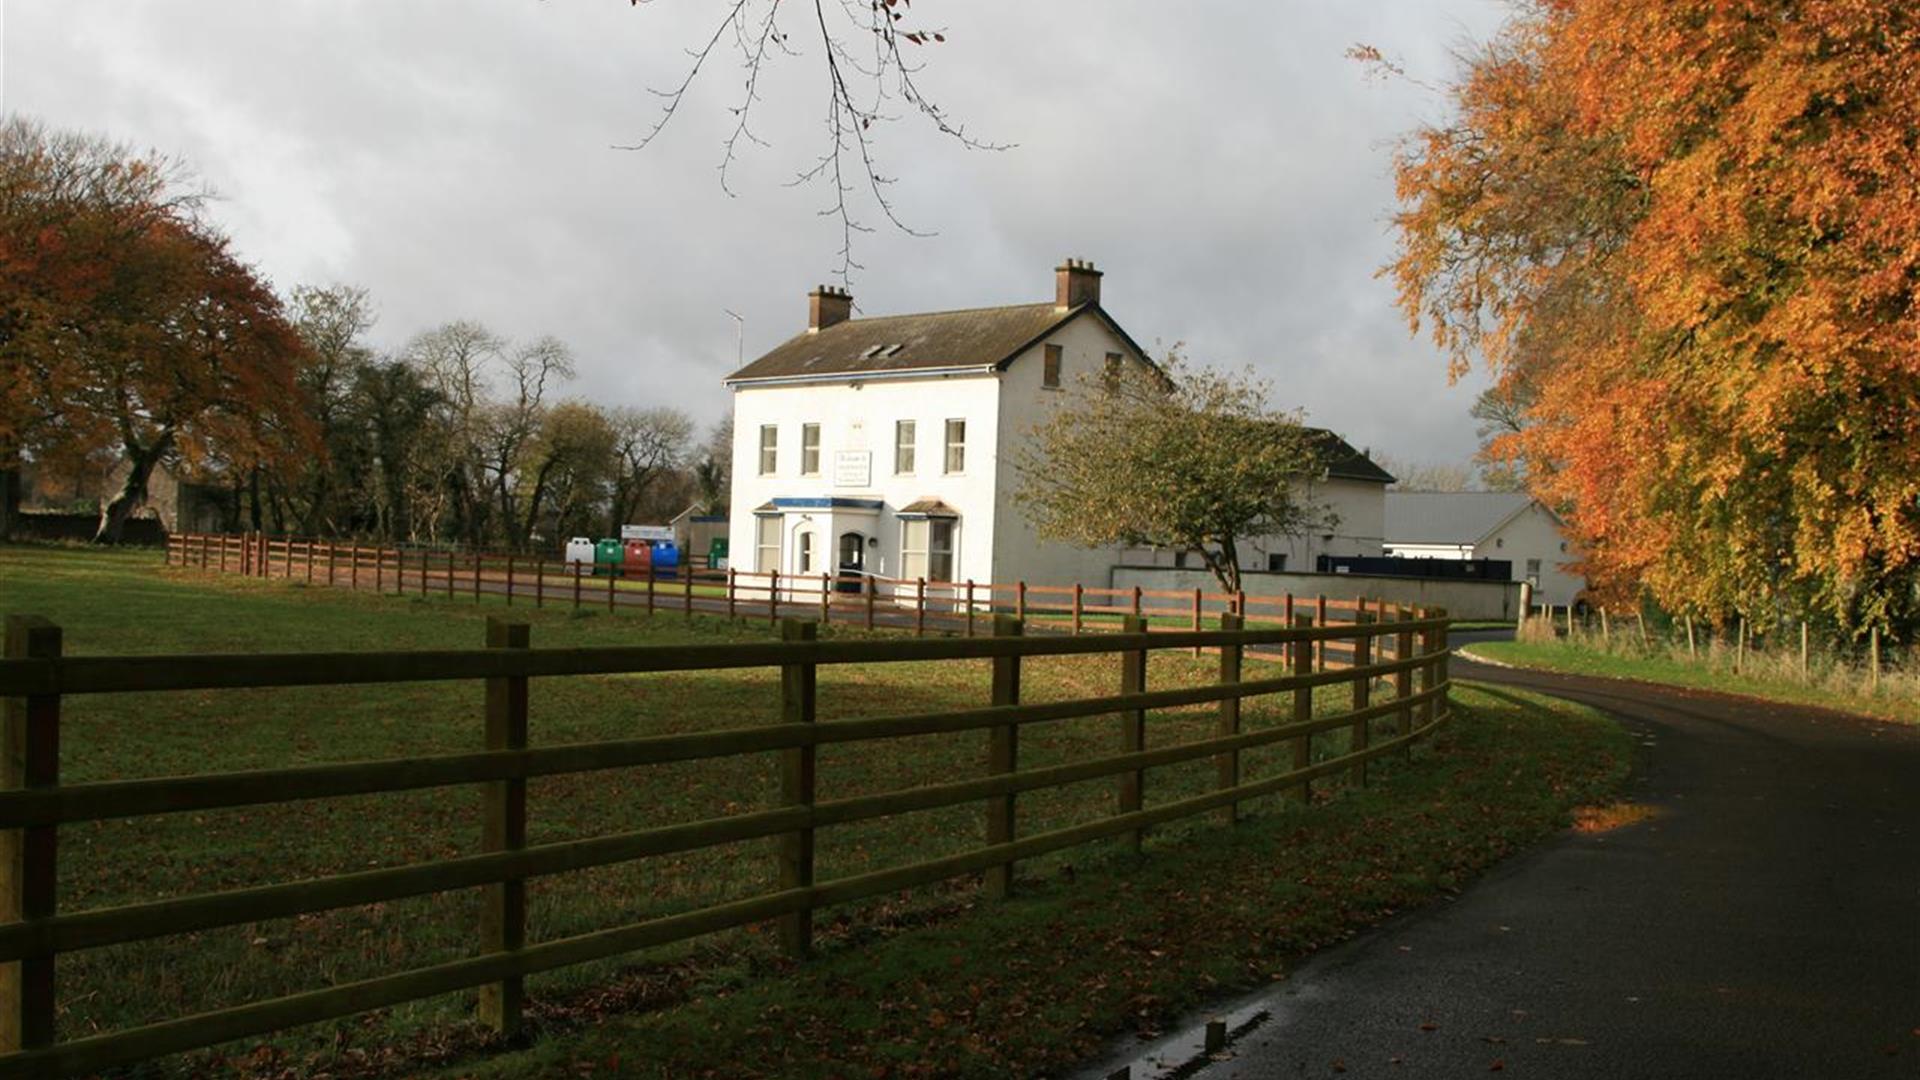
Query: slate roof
(1449,517)
(976,337)
(1346,463)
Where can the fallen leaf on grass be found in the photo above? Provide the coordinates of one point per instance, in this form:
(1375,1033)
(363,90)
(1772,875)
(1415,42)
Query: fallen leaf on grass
(1428,1025)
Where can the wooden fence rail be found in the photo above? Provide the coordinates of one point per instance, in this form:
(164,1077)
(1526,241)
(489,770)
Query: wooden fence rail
(36,676)
(921,606)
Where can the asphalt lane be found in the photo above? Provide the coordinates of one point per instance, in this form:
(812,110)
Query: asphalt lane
(1763,922)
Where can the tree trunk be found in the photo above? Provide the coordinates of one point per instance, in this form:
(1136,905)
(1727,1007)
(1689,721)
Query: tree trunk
(9,499)
(133,491)
(253,500)
(1225,565)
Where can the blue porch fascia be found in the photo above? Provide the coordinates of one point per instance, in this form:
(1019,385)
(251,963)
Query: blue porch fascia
(833,502)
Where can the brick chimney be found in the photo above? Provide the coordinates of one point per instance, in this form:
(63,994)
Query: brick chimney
(1075,282)
(828,305)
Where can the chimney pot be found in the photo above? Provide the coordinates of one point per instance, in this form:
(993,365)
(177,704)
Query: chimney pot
(1076,282)
(828,306)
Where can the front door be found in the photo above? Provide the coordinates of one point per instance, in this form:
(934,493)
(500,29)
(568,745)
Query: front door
(853,561)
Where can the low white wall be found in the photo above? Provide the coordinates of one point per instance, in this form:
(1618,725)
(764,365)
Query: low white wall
(1461,599)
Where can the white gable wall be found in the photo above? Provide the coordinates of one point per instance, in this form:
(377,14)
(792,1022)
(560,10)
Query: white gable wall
(1019,553)
(1534,534)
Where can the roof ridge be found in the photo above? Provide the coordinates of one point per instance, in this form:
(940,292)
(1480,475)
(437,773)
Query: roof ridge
(951,311)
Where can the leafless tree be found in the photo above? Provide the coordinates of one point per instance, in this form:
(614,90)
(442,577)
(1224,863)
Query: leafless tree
(867,67)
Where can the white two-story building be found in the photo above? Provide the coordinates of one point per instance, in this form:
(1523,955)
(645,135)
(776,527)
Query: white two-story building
(886,445)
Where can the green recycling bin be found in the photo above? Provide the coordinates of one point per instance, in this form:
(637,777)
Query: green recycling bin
(607,555)
(717,553)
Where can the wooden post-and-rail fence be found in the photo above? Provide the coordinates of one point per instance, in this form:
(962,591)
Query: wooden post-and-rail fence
(912,604)
(37,676)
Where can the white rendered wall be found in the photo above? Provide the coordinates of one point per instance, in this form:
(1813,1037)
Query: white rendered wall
(1019,553)
(1534,534)
(860,416)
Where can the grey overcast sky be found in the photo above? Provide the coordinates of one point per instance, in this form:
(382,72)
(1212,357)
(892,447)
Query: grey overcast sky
(1225,165)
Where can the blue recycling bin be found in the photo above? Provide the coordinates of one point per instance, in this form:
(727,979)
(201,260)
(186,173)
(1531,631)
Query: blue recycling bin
(666,558)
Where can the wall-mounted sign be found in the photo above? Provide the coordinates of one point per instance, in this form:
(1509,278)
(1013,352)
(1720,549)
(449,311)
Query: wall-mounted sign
(853,468)
(646,532)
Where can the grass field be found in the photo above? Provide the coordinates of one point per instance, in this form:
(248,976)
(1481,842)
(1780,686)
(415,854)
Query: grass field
(121,602)
(1775,678)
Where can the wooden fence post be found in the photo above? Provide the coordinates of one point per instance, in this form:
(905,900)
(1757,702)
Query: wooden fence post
(503,916)
(920,607)
(476,577)
(1362,692)
(686,587)
(1740,645)
(288,572)
(730,575)
(1526,603)
(1424,714)
(969,607)
(611,579)
(1873,660)
(379,569)
(1136,599)
(1003,756)
(29,857)
(826,599)
(353,570)
(1446,673)
(1320,646)
(1197,624)
(773,598)
(309,562)
(1076,607)
(797,699)
(425,556)
(1403,679)
(1020,600)
(333,551)
(540,582)
(1303,654)
(509,579)
(1803,650)
(1133,727)
(871,589)
(1228,764)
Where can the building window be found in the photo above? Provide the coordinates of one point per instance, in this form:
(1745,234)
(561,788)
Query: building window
(804,552)
(809,449)
(767,539)
(1277,563)
(956,446)
(1533,571)
(926,548)
(1180,560)
(1050,373)
(1111,373)
(903,447)
(769,448)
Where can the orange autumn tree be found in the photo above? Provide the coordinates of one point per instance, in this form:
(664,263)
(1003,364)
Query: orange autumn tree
(1687,230)
(130,334)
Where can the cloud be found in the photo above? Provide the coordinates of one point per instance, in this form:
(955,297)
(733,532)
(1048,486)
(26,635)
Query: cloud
(1227,167)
